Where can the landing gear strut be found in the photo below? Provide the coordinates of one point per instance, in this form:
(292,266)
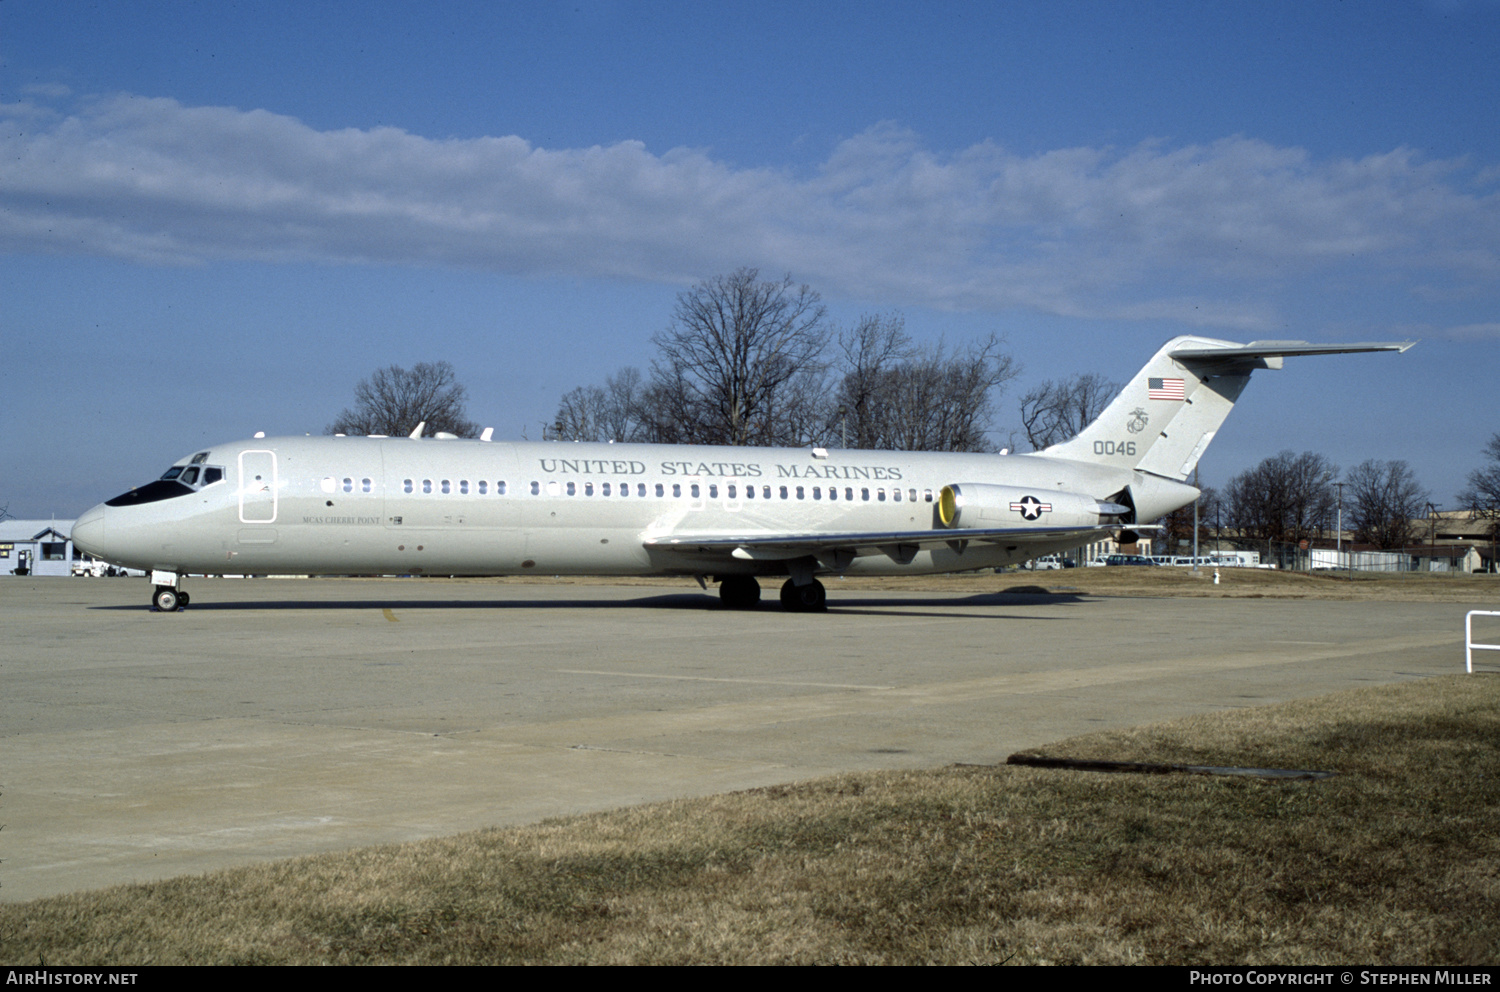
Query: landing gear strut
(809,598)
(739,592)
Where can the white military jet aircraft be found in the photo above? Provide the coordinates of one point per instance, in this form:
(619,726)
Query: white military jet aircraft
(446,506)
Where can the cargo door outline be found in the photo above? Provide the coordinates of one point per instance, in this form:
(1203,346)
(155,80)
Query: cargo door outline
(258,486)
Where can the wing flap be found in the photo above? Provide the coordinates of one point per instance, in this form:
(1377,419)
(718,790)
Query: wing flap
(900,546)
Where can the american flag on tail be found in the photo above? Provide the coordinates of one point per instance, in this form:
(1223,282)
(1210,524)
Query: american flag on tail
(1165,389)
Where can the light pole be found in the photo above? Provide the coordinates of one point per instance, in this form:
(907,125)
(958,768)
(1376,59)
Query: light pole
(1339,555)
(1431,535)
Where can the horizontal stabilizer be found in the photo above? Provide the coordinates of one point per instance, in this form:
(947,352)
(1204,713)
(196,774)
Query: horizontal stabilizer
(1286,349)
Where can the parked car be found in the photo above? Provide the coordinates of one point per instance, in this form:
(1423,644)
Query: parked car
(1128,560)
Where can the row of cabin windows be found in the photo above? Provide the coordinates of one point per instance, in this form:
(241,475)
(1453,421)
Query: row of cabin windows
(694,490)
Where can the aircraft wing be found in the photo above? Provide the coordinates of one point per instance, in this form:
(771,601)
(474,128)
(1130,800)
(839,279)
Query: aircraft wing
(837,550)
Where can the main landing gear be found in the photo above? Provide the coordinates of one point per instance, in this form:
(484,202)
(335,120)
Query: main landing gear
(742,592)
(739,592)
(809,598)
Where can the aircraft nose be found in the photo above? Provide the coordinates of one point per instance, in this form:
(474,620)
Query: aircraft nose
(88,531)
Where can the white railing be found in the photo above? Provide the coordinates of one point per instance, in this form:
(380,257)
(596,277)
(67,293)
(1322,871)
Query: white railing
(1469,646)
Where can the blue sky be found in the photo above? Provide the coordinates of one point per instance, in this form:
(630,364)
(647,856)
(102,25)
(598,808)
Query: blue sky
(216,217)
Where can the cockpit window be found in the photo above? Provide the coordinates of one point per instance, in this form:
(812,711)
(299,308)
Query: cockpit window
(179,480)
(199,458)
(151,492)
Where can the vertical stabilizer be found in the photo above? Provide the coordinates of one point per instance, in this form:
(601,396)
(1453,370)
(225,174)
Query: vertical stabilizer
(1165,417)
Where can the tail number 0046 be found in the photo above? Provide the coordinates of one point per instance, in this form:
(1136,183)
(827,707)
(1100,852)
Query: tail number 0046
(1114,448)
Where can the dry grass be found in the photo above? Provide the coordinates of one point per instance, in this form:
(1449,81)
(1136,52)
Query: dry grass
(1396,860)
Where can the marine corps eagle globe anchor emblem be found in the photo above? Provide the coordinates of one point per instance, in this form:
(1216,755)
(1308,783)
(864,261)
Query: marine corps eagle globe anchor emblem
(1138,421)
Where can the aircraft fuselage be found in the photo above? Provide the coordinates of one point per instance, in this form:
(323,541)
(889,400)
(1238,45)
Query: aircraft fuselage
(356,505)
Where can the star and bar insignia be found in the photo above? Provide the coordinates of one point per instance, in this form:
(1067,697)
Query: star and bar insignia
(1030,507)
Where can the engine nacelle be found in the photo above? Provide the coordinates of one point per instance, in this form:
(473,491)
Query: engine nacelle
(976,504)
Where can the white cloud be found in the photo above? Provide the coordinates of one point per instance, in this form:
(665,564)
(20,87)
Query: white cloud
(1181,233)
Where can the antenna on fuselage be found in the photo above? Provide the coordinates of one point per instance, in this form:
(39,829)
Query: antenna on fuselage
(488,433)
(417,431)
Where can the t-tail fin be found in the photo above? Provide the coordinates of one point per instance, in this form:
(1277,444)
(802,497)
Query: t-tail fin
(1168,413)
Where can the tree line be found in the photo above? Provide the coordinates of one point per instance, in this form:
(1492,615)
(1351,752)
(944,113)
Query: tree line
(747,361)
(1290,498)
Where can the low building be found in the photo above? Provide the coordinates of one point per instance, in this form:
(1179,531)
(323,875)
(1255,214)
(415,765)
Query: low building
(36,547)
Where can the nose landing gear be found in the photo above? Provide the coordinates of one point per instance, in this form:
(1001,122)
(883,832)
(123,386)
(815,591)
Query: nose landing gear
(166,597)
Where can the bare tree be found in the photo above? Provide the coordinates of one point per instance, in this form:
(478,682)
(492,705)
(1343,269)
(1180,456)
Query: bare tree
(1383,499)
(734,345)
(1056,411)
(393,401)
(870,350)
(612,412)
(1287,497)
(742,363)
(911,399)
(1482,494)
